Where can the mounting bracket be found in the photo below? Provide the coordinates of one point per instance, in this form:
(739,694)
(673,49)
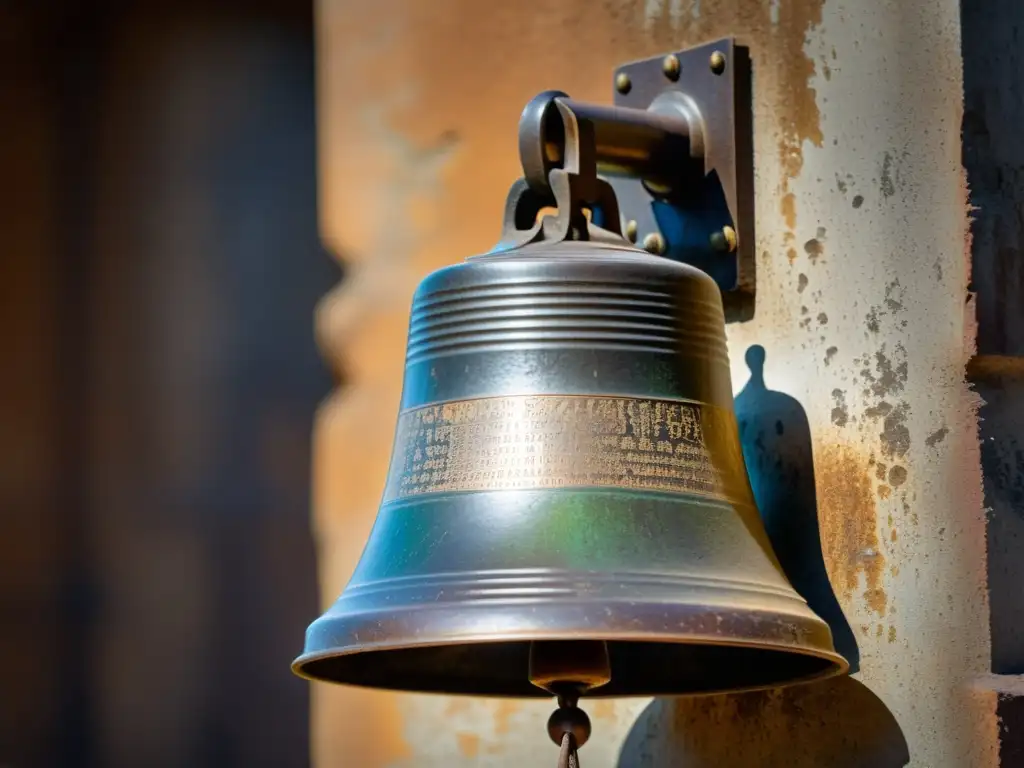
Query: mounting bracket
(669,167)
(692,223)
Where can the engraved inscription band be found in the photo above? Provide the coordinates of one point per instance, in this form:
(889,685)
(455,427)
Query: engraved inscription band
(557,441)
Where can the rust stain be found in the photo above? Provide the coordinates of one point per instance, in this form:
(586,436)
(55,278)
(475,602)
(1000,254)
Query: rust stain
(877,599)
(503,712)
(789,209)
(366,726)
(469,744)
(603,709)
(849,529)
(457,705)
(884,491)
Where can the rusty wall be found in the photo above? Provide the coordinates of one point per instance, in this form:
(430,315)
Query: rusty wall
(862,329)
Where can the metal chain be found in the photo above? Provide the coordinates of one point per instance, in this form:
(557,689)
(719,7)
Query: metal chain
(567,756)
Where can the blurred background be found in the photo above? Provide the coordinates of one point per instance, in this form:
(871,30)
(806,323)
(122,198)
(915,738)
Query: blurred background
(158,381)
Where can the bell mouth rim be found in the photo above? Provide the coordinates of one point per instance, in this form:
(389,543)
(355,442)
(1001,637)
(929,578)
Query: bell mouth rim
(837,664)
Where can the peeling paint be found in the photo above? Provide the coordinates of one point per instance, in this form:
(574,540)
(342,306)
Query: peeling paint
(840,413)
(936,437)
(814,249)
(897,476)
(895,435)
(886,185)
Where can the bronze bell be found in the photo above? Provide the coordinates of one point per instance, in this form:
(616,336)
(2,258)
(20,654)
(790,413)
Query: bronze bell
(567,508)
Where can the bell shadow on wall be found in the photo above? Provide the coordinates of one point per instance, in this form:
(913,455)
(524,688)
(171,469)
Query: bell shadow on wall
(776,440)
(838,723)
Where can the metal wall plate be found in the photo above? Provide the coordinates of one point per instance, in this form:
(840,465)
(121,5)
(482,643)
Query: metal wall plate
(716,77)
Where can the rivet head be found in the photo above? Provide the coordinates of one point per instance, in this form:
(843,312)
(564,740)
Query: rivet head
(622,83)
(724,240)
(631,230)
(717,62)
(670,66)
(654,243)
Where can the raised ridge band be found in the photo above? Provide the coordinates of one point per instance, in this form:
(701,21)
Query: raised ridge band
(560,313)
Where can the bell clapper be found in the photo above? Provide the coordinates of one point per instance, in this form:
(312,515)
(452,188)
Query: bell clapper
(567,669)
(569,728)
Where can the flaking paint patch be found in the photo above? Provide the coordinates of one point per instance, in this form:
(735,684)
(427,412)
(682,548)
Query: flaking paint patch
(814,249)
(936,437)
(897,476)
(895,435)
(840,413)
(888,378)
(849,528)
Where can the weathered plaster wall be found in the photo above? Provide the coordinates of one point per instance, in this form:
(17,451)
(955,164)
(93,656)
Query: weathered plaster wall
(862,311)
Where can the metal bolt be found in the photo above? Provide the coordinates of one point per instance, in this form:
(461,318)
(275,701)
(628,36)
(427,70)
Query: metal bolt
(622,83)
(631,230)
(670,66)
(654,243)
(724,241)
(718,62)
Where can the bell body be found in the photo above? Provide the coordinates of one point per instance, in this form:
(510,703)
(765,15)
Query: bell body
(567,467)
